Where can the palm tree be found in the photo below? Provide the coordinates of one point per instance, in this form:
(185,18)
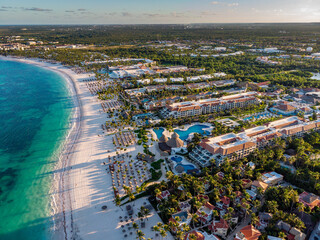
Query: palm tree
(173,225)
(300,207)
(256,204)
(202,214)
(192,236)
(156,228)
(185,227)
(163,233)
(171,211)
(180,235)
(197,204)
(135,225)
(272,206)
(282,235)
(118,201)
(254,219)
(194,219)
(246,207)
(140,235)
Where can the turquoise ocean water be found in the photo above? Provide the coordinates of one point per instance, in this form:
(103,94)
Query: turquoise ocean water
(35,110)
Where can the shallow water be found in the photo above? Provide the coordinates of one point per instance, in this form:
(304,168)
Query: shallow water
(35,110)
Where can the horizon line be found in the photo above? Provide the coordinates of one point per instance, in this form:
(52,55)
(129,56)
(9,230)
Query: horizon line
(150,24)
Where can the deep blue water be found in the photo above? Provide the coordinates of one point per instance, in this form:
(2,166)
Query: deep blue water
(35,110)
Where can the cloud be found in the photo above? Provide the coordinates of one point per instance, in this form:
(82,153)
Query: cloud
(126,14)
(153,15)
(3,10)
(6,7)
(215,3)
(207,13)
(112,14)
(38,9)
(69,11)
(162,15)
(82,9)
(178,14)
(233,4)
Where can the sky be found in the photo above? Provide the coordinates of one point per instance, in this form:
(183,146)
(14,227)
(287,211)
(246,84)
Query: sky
(157,11)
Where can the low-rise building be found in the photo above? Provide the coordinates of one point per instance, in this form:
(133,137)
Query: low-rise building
(163,195)
(197,235)
(223,203)
(248,233)
(219,228)
(272,178)
(205,212)
(235,146)
(309,199)
(185,206)
(284,109)
(181,218)
(193,108)
(259,184)
(264,219)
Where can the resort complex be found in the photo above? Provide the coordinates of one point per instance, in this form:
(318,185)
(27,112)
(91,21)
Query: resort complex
(186,132)
(236,146)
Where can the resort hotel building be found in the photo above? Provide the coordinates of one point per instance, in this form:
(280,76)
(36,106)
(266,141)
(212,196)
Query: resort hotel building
(193,108)
(236,146)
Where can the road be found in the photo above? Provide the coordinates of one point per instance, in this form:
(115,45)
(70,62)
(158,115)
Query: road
(243,223)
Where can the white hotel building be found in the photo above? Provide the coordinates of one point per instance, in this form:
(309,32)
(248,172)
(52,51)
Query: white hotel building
(236,146)
(193,108)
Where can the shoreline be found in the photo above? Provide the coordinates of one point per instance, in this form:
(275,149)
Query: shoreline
(82,183)
(58,201)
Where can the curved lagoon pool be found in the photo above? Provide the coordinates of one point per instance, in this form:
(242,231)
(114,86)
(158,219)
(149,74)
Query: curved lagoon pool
(184,133)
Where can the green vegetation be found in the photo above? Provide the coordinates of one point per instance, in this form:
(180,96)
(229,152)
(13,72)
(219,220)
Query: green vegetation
(157,164)
(155,175)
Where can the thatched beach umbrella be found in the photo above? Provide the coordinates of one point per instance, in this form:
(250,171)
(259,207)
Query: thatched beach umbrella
(175,141)
(163,138)
(179,169)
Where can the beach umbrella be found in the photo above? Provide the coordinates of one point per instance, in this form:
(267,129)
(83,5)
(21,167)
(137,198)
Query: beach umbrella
(104,207)
(179,169)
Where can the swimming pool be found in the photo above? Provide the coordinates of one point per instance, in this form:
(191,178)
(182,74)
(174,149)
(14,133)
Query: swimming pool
(158,132)
(186,167)
(257,116)
(184,134)
(176,159)
(179,162)
(198,128)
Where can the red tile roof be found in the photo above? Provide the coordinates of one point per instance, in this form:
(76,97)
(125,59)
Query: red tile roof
(199,236)
(250,232)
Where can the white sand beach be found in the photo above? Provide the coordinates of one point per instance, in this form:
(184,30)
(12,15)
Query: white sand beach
(82,184)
